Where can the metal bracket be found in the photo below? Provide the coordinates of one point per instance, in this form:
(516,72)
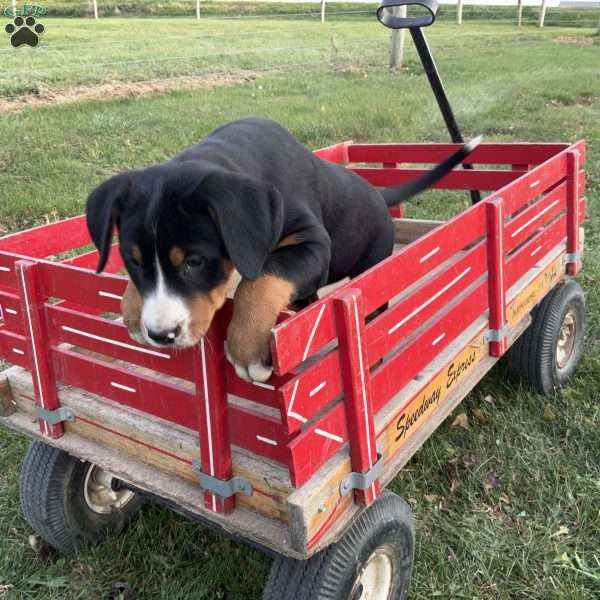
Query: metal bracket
(53,417)
(496,335)
(220,487)
(572,257)
(362,481)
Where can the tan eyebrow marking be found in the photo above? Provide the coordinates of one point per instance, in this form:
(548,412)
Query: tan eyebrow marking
(136,253)
(176,256)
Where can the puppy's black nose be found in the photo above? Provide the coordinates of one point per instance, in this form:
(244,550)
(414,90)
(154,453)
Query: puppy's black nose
(164,337)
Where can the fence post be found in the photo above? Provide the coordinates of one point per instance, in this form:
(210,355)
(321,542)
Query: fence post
(519,13)
(198,9)
(14,8)
(397,40)
(323,11)
(496,290)
(459,12)
(350,324)
(542,13)
(95,2)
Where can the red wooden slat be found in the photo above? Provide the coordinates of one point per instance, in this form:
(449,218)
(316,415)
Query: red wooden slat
(13,348)
(318,443)
(10,312)
(89,260)
(112,339)
(304,334)
(493,154)
(338,153)
(534,250)
(32,305)
(455,180)
(7,269)
(306,394)
(102,292)
(436,153)
(260,434)
(397,323)
(527,222)
(159,398)
(47,240)
(350,322)
(534,182)
(415,356)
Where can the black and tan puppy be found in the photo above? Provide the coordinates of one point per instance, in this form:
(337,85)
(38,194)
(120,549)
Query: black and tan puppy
(249,198)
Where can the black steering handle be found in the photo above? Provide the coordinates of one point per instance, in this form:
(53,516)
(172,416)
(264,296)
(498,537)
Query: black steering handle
(387,18)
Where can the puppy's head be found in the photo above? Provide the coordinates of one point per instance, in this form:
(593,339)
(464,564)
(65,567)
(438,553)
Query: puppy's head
(183,232)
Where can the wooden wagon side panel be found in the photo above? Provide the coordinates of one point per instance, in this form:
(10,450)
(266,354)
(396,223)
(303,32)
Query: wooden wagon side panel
(405,423)
(155,442)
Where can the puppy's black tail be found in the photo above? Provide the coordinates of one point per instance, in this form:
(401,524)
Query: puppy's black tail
(402,193)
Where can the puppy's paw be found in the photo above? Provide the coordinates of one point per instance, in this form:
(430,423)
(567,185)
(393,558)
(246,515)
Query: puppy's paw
(260,372)
(255,371)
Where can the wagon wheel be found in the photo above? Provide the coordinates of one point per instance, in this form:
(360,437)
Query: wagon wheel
(69,502)
(372,561)
(547,353)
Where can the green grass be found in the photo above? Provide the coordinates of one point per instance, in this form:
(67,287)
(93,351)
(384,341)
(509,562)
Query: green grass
(82,52)
(508,510)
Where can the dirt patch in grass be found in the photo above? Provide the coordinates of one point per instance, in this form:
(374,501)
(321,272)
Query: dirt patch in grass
(574,39)
(575,101)
(110,90)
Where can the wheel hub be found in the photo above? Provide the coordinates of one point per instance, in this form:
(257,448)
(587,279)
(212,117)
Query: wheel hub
(566,339)
(102,492)
(374,581)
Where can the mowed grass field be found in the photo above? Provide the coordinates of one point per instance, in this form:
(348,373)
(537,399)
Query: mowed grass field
(508,508)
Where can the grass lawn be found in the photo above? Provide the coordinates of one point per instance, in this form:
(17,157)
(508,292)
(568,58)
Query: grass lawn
(508,509)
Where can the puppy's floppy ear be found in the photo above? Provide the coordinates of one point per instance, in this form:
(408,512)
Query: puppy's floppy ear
(102,212)
(249,214)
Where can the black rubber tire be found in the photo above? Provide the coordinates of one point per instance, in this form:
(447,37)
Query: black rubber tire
(533,356)
(330,575)
(53,501)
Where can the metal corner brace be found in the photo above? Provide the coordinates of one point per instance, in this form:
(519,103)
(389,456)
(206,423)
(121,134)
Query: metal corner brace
(362,481)
(572,257)
(53,417)
(220,487)
(496,335)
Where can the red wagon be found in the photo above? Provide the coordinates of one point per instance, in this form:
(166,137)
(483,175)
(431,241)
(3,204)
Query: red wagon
(296,465)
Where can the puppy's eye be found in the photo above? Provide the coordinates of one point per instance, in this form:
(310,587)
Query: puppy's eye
(193,262)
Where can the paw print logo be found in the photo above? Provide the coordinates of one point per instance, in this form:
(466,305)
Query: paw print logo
(24,31)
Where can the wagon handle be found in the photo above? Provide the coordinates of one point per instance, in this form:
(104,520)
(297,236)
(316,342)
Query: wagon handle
(389,19)
(386,17)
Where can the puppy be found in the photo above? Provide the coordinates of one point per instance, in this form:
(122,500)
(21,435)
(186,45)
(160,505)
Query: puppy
(250,200)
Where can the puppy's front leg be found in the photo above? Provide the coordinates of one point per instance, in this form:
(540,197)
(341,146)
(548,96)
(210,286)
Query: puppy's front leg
(292,271)
(256,306)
